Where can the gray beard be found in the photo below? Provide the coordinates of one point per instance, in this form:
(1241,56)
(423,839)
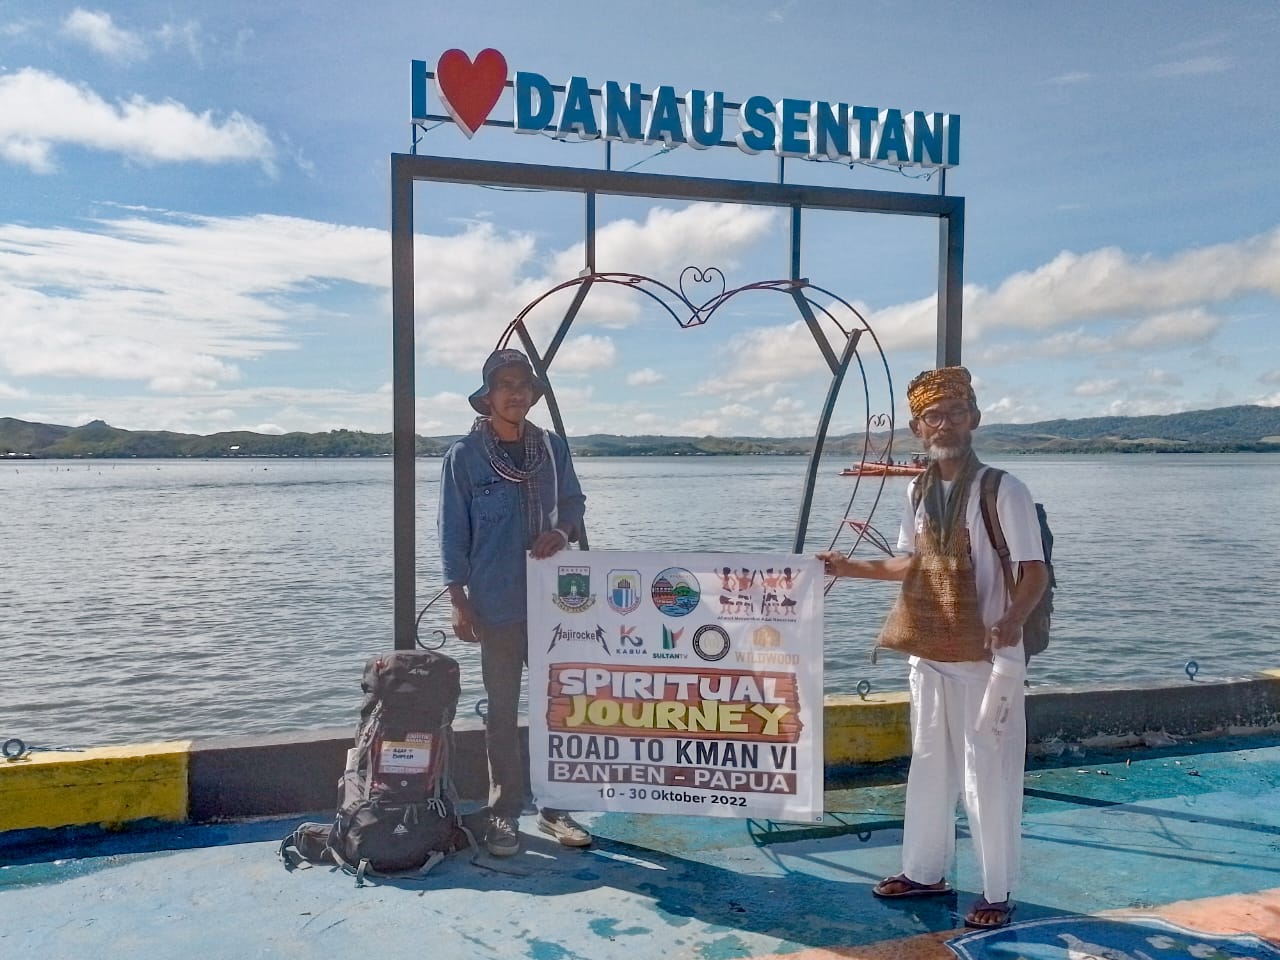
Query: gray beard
(948,453)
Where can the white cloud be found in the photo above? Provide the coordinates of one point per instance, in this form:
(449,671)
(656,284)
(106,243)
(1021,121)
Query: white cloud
(1108,282)
(663,244)
(98,31)
(8,392)
(1193,67)
(1004,410)
(584,354)
(790,425)
(271,428)
(18,28)
(1159,332)
(780,13)
(1146,406)
(645,377)
(173,302)
(1271,376)
(40,111)
(1095,388)
(185,35)
(180,304)
(699,427)
(1073,77)
(740,410)
(764,357)
(469,284)
(1102,285)
(1164,329)
(1163,377)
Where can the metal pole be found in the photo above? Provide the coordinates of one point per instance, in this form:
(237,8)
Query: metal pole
(795,242)
(590,244)
(403,426)
(950,283)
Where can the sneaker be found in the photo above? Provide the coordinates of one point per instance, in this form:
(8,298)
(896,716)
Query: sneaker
(502,839)
(564,828)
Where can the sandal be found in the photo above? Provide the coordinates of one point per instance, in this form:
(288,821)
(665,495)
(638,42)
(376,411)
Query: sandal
(1003,914)
(906,887)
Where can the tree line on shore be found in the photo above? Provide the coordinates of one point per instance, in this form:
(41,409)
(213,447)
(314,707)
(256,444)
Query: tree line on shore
(1223,429)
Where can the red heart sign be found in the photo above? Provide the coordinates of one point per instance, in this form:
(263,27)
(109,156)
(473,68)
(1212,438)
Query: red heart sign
(469,90)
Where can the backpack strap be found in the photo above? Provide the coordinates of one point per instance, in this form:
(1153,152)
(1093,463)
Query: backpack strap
(988,492)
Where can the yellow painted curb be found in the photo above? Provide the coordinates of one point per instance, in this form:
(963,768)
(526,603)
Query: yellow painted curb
(103,785)
(867,731)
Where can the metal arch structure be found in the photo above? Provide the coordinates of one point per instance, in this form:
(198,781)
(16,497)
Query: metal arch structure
(408,169)
(688,313)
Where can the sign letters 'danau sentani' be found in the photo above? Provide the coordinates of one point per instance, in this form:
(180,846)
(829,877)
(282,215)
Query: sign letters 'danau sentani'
(622,112)
(677,683)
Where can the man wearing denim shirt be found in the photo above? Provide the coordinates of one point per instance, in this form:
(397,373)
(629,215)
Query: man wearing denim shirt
(506,488)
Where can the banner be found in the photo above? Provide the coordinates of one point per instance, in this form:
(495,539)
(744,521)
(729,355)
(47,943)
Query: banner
(677,683)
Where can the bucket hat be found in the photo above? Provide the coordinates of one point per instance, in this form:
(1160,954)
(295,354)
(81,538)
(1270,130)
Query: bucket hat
(496,361)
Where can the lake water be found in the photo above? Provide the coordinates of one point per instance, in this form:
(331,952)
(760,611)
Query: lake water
(145,600)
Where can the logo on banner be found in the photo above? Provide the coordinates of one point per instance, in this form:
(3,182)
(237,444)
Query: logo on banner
(573,589)
(711,642)
(670,638)
(766,637)
(624,591)
(630,644)
(675,592)
(768,594)
(560,634)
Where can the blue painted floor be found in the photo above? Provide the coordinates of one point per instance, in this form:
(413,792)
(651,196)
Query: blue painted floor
(1131,831)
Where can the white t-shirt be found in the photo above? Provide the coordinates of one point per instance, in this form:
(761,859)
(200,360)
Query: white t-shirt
(1021,531)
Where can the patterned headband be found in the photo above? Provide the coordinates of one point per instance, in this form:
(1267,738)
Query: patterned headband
(934,386)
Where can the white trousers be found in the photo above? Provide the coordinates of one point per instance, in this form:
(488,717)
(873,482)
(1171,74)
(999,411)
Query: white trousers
(950,760)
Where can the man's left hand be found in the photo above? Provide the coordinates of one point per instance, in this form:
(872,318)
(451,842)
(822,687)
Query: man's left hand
(1005,632)
(549,543)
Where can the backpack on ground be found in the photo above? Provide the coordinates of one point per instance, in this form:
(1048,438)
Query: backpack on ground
(396,805)
(1035,631)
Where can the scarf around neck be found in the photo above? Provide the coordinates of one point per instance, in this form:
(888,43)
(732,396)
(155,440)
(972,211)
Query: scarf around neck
(946,510)
(536,462)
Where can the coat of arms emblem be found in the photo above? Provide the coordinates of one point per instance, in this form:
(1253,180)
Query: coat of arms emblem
(573,589)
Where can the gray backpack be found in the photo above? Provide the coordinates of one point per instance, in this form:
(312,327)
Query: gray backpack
(396,804)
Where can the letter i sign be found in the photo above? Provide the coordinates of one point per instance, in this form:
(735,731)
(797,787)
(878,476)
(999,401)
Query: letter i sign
(470,90)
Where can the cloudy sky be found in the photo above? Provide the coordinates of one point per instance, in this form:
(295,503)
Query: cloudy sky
(194,210)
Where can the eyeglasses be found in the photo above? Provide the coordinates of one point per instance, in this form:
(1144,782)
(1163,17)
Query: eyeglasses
(935,418)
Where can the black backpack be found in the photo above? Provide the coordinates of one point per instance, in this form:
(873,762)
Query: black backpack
(396,804)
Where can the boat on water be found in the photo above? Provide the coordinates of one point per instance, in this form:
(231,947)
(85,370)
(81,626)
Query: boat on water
(888,468)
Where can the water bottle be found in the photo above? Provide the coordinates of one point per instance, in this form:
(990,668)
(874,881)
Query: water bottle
(997,701)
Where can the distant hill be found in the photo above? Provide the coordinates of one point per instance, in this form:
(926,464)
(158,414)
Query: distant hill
(1225,429)
(1196,431)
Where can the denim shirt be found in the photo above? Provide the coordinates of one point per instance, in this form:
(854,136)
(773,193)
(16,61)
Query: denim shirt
(481,525)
